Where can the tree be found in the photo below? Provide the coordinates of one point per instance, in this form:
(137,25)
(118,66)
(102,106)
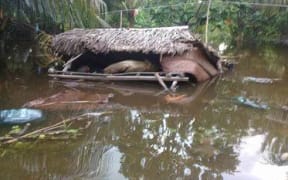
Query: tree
(230,21)
(65,14)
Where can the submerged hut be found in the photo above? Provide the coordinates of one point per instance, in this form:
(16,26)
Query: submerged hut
(165,54)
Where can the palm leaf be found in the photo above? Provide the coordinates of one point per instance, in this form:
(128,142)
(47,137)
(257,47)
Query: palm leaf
(71,13)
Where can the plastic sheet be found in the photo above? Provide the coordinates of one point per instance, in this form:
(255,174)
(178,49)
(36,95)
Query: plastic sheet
(20,116)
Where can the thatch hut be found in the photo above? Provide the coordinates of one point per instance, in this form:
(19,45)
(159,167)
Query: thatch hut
(169,50)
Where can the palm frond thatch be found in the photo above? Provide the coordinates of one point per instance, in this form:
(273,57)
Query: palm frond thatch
(170,40)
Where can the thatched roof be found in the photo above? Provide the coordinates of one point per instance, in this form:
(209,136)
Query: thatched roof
(170,40)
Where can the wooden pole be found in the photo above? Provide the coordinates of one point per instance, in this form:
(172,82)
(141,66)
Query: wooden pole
(161,82)
(121,18)
(207,21)
(67,65)
(121,78)
(173,86)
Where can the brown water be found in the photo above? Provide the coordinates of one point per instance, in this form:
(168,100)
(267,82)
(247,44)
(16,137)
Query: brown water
(204,136)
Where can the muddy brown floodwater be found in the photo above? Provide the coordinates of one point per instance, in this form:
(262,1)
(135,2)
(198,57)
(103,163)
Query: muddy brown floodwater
(203,133)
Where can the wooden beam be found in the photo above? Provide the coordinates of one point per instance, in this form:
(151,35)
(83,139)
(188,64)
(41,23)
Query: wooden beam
(168,74)
(67,65)
(120,78)
(161,82)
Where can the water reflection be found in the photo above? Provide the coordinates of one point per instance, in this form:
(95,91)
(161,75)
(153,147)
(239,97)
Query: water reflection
(203,136)
(254,165)
(167,147)
(96,162)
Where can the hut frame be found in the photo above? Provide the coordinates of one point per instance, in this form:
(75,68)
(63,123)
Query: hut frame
(153,43)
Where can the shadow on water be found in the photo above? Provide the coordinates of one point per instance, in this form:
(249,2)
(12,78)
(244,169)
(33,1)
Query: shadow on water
(202,134)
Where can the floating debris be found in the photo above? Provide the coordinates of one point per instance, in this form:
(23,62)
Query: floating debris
(70,128)
(250,103)
(20,116)
(16,130)
(284,108)
(174,98)
(259,80)
(70,99)
(284,157)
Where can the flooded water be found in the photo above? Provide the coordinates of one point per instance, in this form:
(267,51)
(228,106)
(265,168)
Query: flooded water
(205,134)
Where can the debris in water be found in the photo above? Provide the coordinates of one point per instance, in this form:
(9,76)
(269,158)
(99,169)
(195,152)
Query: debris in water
(250,103)
(284,157)
(16,130)
(174,98)
(70,128)
(20,116)
(70,99)
(259,80)
(284,108)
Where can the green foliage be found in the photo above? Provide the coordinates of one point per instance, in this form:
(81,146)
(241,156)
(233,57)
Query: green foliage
(230,21)
(234,22)
(172,14)
(247,23)
(66,14)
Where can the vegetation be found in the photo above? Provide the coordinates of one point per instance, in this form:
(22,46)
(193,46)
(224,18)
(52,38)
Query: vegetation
(64,130)
(54,14)
(230,21)
(21,20)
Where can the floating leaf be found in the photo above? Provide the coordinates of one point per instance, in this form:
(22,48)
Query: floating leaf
(14,130)
(42,136)
(72,131)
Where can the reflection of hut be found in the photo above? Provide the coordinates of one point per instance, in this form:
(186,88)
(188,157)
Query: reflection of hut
(173,52)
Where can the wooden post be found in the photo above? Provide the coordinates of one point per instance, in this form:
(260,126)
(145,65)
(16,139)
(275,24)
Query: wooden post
(207,21)
(173,86)
(67,65)
(161,82)
(121,18)
(1,13)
